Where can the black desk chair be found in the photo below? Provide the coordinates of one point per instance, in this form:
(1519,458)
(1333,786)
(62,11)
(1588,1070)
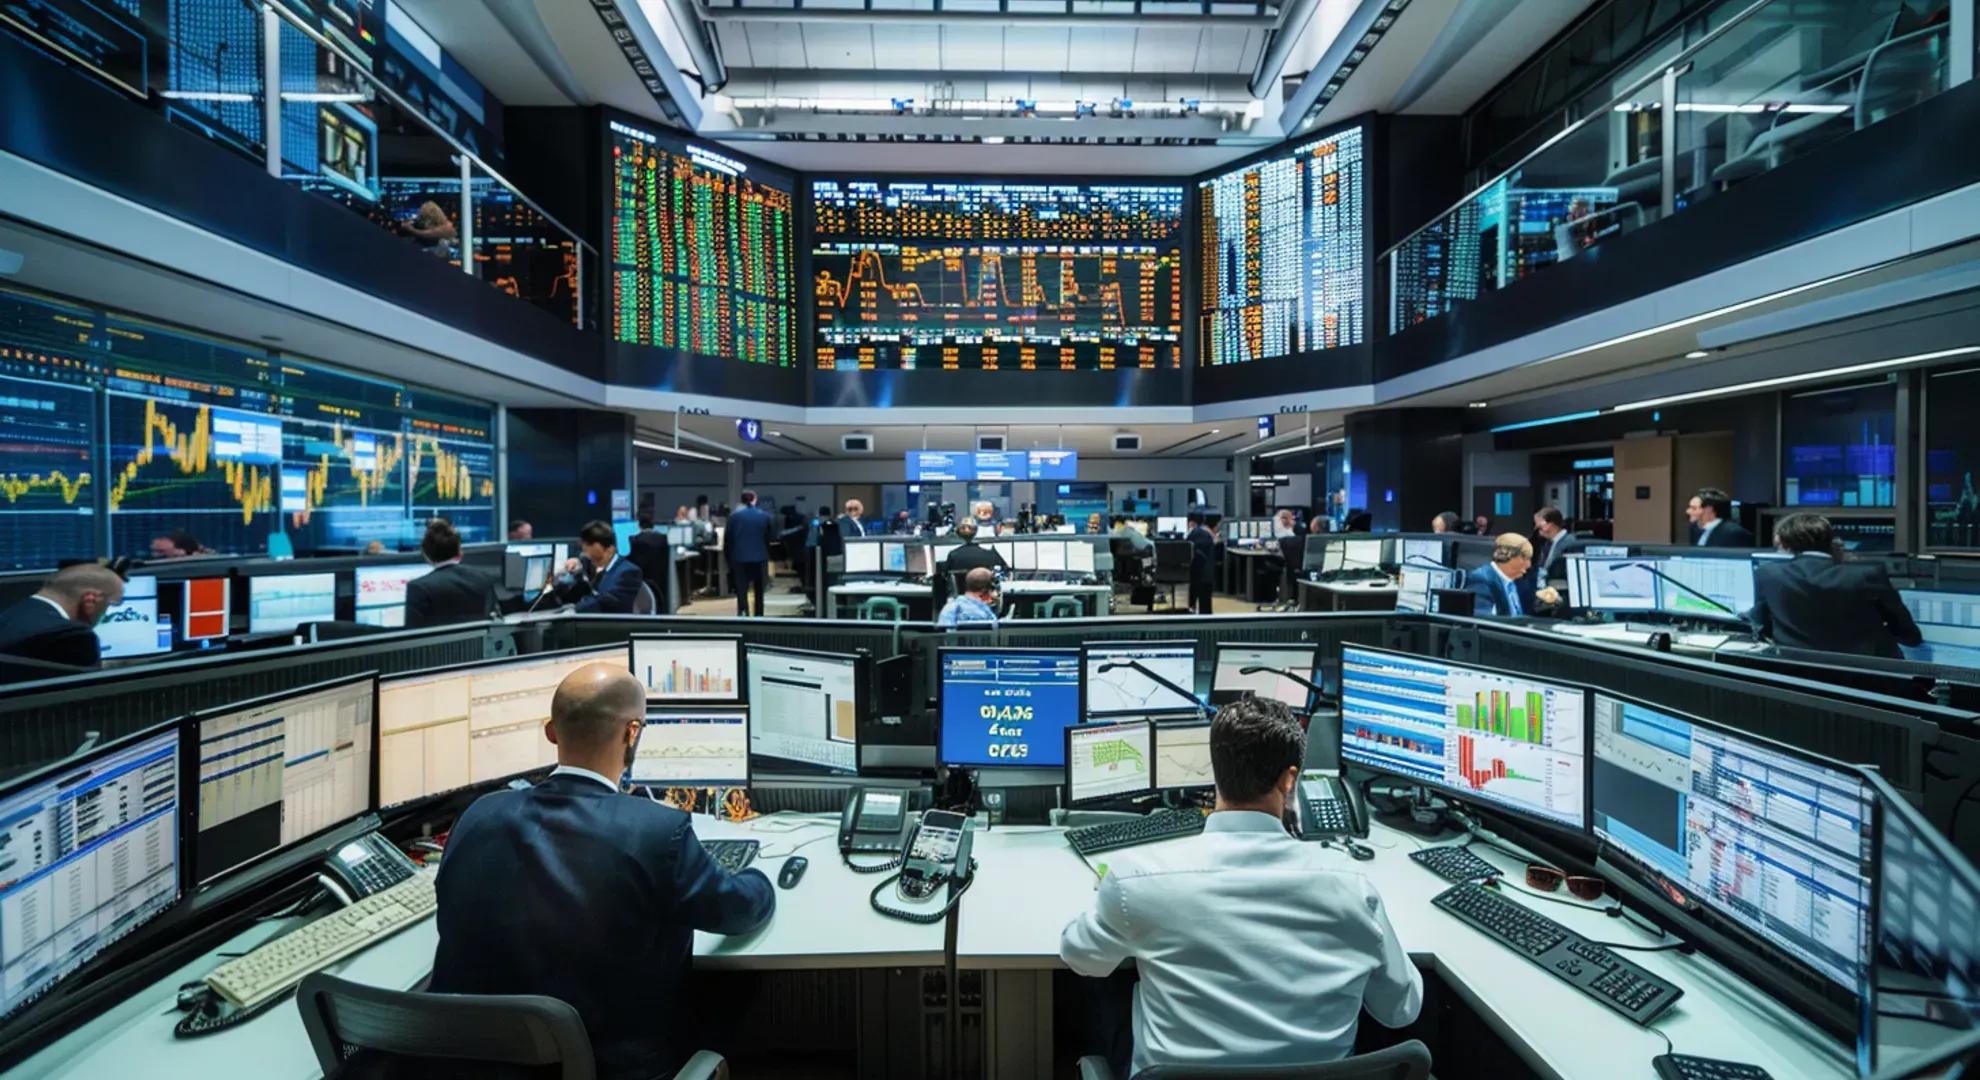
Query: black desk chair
(1407,1061)
(366,1033)
(1129,570)
(1173,559)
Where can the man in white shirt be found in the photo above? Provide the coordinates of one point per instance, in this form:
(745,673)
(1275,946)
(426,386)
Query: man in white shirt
(1253,948)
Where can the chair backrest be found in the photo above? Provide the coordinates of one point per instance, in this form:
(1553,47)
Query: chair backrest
(1172,560)
(1405,1061)
(883,608)
(644,603)
(1062,607)
(355,1027)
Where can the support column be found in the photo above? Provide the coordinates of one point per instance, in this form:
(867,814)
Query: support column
(1406,465)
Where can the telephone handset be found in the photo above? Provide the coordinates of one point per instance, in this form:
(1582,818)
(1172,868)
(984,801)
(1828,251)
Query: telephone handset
(368,865)
(873,822)
(937,855)
(1327,807)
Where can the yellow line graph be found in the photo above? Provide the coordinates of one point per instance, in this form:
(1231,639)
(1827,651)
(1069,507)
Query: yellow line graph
(17,487)
(452,479)
(252,487)
(387,450)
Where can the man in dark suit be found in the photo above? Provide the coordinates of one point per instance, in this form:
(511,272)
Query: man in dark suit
(850,525)
(1818,600)
(1202,562)
(450,592)
(970,556)
(651,554)
(1504,582)
(748,544)
(602,582)
(57,623)
(572,890)
(1710,512)
(1549,527)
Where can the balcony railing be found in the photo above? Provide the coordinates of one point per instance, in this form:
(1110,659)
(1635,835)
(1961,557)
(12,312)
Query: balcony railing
(1758,90)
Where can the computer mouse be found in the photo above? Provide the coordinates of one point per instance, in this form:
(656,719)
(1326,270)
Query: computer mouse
(793,872)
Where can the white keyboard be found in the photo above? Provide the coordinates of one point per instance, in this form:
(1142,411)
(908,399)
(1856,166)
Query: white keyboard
(248,980)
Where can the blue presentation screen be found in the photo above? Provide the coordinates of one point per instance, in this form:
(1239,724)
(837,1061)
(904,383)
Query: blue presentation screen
(1008,707)
(1001,465)
(931,465)
(1053,465)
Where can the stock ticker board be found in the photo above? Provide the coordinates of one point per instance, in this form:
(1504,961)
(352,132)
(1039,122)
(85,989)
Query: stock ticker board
(702,251)
(114,430)
(1283,253)
(996,276)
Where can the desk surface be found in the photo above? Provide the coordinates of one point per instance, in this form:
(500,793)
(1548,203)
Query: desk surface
(1029,885)
(1368,586)
(882,588)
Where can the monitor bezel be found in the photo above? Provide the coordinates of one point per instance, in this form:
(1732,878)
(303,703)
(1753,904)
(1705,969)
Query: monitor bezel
(862,705)
(749,774)
(1217,653)
(942,701)
(1085,648)
(742,670)
(1157,767)
(247,597)
(1119,796)
(184,585)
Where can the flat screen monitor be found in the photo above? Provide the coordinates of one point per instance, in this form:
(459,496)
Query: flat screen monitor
(278,603)
(536,570)
(1510,742)
(1720,589)
(381,592)
(1052,555)
(1361,554)
(941,552)
(1024,555)
(1606,551)
(1950,622)
(863,558)
(1005,549)
(1424,553)
(689,668)
(89,851)
(534,548)
(927,466)
(623,532)
(680,537)
(1003,465)
(1926,962)
(1170,526)
(1079,557)
(1006,707)
(1778,843)
(894,557)
(692,748)
(805,707)
(1053,465)
(918,560)
(1612,585)
(443,730)
(1117,679)
(1182,757)
(133,627)
(1228,681)
(1416,585)
(205,608)
(1109,761)
(279,770)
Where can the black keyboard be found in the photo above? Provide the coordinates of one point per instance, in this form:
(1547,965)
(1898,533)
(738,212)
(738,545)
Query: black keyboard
(731,855)
(1453,863)
(1686,1067)
(1582,964)
(1163,825)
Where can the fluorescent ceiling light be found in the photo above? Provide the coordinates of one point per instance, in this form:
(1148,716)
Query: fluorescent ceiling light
(204,95)
(1544,421)
(1696,354)
(1789,380)
(324,97)
(662,448)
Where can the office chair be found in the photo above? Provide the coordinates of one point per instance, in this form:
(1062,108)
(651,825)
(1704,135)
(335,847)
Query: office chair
(367,1033)
(882,609)
(1172,562)
(1407,1061)
(1062,607)
(1129,570)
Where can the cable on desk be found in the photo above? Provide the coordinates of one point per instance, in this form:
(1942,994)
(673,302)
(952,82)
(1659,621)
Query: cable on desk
(761,854)
(1669,1048)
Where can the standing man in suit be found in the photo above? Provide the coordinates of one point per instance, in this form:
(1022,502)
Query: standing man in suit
(1504,583)
(1821,600)
(572,890)
(1710,512)
(651,553)
(601,583)
(58,622)
(748,542)
(850,525)
(1548,528)
(1202,562)
(450,592)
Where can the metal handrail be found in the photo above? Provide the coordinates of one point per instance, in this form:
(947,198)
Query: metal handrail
(1680,61)
(411,110)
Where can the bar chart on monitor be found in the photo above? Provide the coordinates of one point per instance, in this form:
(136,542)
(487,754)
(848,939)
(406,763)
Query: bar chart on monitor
(1519,744)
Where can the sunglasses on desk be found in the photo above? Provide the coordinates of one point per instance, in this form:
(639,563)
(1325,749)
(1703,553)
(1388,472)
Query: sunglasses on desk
(1547,879)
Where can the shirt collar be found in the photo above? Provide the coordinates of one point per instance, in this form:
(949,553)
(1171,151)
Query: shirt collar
(1817,554)
(573,770)
(59,609)
(1503,576)
(1709,526)
(1247,821)
(455,561)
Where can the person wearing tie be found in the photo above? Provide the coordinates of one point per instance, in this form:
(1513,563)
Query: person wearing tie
(1503,584)
(1710,512)
(1548,528)
(850,525)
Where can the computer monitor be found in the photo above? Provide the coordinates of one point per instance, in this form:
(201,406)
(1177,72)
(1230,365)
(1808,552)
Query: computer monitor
(1612,585)
(1111,687)
(1424,553)
(919,562)
(1169,526)
(863,558)
(1510,742)
(805,707)
(1052,555)
(381,592)
(1774,842)
(205,608)
(692,748)
(449,728)
(278,770)
(1006,707)
(1926,959)
(1606,551)
(893,557)
(1005,549)
(623,532)
(1726,585)
(1110,761)
(1360,554)
(1950,622)
(941,553)
(278,603)
(89,851)
(680,537)
(1417,584)
(1024,555)
(1228,682)
(1182,757)
(689,668)
(1079,557)
(133,628)
(530,549)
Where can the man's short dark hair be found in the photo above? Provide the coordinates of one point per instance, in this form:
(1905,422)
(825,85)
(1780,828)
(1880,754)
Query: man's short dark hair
(1194,517)
(749,498)
(1549,515)
(1720,502)
(441,542)
(598,532)
(1798,533)
(518,524)
(1451,520)
(1253,741)
(646,519)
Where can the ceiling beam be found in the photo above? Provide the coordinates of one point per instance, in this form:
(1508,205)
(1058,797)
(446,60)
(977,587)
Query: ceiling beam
(1000,18)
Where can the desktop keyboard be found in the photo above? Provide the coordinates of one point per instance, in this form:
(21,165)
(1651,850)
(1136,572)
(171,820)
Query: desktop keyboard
(274,967)
(1635,993)
(1686,1067)
(1162,825)
(1453,863)
(731,855)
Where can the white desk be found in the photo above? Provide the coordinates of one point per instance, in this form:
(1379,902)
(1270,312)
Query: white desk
(1370,594)
(907,592)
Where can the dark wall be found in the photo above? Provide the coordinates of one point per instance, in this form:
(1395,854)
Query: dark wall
(1420,174)
(1416,455)
(564,465)
(554,156)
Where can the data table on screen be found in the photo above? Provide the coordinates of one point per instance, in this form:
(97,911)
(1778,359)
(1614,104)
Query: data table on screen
(424,742)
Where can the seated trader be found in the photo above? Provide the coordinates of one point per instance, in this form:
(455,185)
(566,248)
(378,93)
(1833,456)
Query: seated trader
(1138,543)
(1504,583)
(450,592)
(1283,525)
(521,530)
(177,544)
(851,525)
(985,514)
(57,623)
(602,582)
(1821,600)
(977,604)
(1446,522)
(1203,917)
(1710,511)
(572,890)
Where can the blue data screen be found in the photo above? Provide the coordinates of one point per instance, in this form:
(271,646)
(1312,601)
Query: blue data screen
(1008,707)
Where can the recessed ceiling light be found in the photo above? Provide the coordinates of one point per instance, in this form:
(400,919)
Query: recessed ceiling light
(1216,431)
(1481,404)
(1696,354)
(775,434)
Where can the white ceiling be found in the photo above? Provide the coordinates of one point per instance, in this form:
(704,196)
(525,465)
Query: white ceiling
(1474,55)
(477,39)
(925,49)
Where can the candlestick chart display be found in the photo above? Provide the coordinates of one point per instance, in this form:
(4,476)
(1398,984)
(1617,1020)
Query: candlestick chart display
(996,275)
(1284,252)
(702,251)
